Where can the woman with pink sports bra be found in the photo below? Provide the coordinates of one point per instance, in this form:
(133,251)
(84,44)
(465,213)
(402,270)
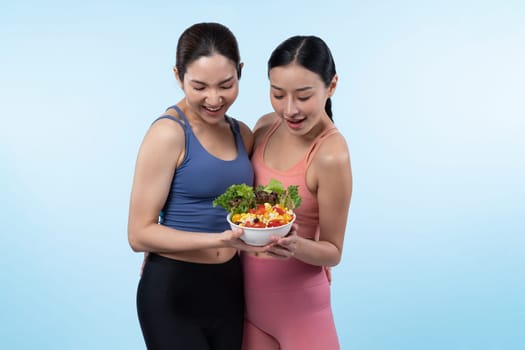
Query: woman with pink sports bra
(287,291)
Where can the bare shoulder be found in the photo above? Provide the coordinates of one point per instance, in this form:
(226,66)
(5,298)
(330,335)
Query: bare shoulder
(164,136)
(263,124)
(331,167)
(333,152)
(245,129)
(265,121)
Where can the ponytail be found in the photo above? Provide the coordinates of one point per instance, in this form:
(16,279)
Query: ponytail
(328,108)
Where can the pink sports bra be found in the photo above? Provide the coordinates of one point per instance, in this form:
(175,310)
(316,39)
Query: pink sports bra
(308,211)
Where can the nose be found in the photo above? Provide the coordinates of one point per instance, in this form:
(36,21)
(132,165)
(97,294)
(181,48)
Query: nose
(290,108)
(214,98)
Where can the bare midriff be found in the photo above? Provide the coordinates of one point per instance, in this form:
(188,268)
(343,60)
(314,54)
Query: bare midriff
(260,255)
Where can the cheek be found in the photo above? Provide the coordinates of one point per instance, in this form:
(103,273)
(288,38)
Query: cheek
(232,94)
(192,95)
(276,104)
(314,105)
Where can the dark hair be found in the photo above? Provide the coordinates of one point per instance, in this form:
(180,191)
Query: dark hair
(310,52)
(205,39)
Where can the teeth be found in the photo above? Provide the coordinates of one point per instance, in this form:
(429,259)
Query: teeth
(213,109)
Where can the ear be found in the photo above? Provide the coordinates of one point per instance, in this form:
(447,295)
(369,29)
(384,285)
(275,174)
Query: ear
(239,70)
(332,86)
(176,73)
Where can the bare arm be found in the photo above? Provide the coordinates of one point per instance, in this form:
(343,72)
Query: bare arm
(262,126)
(332,172)
(159,154)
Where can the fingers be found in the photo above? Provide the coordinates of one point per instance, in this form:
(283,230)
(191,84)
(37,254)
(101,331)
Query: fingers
(328,272)
(231,236)
(232,239)
(283,248)
(279,252)
(236,233)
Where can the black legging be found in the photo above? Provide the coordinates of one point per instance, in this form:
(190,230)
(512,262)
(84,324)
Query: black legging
(189,306)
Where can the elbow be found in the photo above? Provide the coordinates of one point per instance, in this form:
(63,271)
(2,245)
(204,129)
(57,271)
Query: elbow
(135,247)
(134,241)
(336,258)
(333,262)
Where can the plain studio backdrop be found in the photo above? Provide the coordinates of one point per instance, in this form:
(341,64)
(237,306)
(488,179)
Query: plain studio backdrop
(430,98)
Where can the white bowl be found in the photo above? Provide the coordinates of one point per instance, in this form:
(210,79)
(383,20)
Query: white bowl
(261,236)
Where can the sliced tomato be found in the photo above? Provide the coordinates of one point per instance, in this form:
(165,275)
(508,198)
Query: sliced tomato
(276,222)
(279,210)
(258,224)
(260,210)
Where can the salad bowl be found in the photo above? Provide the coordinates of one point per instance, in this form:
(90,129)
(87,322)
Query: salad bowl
(261,236)
(261,212)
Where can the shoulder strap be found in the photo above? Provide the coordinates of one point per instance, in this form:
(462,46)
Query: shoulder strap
(236,129)
(169,117)
(275,124)
(180,113)
(317,143)
(182,122)
(234,124)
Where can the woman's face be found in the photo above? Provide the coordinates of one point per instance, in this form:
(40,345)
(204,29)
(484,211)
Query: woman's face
(299,96)
(211,86)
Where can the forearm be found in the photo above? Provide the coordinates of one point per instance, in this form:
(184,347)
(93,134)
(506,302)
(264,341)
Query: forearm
(318,253)
(163,239)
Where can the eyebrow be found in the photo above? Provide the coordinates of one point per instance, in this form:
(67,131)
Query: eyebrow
(298,90)
(220,83)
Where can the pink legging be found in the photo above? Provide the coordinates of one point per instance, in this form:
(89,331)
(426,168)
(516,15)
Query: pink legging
(287,306)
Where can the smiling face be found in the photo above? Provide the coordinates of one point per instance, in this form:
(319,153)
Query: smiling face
(299,96)
(211,86)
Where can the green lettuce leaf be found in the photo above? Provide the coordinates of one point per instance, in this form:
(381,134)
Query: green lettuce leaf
(238,199)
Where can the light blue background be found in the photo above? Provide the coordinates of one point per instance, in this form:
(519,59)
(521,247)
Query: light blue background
(430,98)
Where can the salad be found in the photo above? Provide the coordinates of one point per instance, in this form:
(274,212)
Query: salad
(260,207)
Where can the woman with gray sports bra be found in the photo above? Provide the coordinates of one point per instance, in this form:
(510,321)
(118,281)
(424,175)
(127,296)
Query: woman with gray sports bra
(190,294)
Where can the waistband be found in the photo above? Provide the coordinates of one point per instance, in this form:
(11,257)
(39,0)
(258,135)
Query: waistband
(153,257)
